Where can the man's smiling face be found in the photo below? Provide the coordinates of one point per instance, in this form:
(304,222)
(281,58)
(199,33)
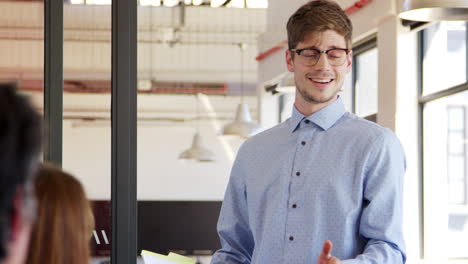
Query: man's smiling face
(319,83)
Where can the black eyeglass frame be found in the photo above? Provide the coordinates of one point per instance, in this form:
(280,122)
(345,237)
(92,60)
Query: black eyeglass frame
(299,51)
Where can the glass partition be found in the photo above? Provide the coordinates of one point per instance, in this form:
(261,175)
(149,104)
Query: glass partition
(22,48)
(86,111)
(196,63)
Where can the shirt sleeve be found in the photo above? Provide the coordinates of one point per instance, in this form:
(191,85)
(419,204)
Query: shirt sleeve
(233,224)
(381,220)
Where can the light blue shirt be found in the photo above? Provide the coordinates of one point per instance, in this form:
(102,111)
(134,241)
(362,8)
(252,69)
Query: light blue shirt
(331,175)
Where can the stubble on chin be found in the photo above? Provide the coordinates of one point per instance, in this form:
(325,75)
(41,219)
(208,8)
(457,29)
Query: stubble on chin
(316,99)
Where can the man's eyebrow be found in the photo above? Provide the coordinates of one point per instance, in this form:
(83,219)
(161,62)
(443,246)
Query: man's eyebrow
(311,47)
(328,48)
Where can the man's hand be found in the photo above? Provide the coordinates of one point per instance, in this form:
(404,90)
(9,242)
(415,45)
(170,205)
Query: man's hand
(325,256)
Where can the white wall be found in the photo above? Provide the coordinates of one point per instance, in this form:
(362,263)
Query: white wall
(166,127)
(205,50)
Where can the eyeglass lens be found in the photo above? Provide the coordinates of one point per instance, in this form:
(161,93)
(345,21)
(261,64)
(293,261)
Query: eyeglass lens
(335,57)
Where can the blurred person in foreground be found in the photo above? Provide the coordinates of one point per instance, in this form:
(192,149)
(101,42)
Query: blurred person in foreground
(325,186)
(65,221)
(20,145)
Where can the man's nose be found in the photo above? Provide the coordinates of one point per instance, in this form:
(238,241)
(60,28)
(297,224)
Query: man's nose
(322,62)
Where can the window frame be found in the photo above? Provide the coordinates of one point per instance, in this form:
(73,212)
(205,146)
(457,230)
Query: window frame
(423,100)
(124,103)
(358,50)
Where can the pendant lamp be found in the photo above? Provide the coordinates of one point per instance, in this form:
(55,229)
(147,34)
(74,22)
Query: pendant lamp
(197,151)
(434,10)
(242,125)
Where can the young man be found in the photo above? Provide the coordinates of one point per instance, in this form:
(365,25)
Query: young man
(20,143)
(322,179)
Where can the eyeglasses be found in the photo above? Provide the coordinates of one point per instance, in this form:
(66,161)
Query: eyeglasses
(310,56)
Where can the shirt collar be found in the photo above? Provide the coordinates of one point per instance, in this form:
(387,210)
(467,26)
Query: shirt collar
(324,118)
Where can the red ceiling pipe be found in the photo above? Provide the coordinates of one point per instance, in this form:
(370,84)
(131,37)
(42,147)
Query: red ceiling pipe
(355,7)
(358,5)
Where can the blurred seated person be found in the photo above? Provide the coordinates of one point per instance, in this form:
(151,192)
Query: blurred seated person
(65,221)
(20,147)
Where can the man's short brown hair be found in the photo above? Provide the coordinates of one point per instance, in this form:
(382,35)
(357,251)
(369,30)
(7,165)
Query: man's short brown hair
(316,17)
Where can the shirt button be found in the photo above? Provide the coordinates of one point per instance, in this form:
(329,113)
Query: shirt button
(303,143)
(298,173)
(291,238)
(307,121)
(294,206)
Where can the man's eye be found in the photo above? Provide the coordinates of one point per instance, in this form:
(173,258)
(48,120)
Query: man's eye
(336,54)
(309,54)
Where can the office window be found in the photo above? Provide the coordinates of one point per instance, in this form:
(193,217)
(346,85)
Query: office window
(366,82)
(444,64)
(443,101)
(192,74)
(86,111)
(456,154)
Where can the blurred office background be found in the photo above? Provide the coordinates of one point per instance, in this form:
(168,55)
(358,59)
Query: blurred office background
(198,60)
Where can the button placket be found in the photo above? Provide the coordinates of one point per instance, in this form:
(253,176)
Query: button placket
(297,179)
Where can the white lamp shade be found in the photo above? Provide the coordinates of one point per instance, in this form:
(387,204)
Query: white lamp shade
(434,10)
(242,124)
(197,152)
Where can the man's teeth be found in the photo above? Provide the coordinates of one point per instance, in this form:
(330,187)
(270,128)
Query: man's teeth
(322,80)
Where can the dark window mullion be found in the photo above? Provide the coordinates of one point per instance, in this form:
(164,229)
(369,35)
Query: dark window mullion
(421,55)
(465,150)
(53,81)
(444,93)
(466,50)
(354,82)
(421,105)
(124,120)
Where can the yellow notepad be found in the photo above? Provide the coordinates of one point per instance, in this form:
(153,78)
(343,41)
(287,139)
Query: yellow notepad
(173,258)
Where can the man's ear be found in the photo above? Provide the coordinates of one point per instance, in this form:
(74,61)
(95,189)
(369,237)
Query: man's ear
(17,216)
(23,212)
(20,226)
(289,60)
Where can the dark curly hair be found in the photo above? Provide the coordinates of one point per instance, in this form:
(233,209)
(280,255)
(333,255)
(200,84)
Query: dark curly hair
(20,145)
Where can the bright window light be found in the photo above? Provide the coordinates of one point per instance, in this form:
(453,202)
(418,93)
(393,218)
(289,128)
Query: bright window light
(150,2)
(217,3)
(171,3)
(77,2)
(187,2)
(99,2)
(257,3)
(197,2)
(236,3)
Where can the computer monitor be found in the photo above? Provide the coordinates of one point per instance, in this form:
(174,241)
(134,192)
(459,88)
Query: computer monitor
(185,227)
